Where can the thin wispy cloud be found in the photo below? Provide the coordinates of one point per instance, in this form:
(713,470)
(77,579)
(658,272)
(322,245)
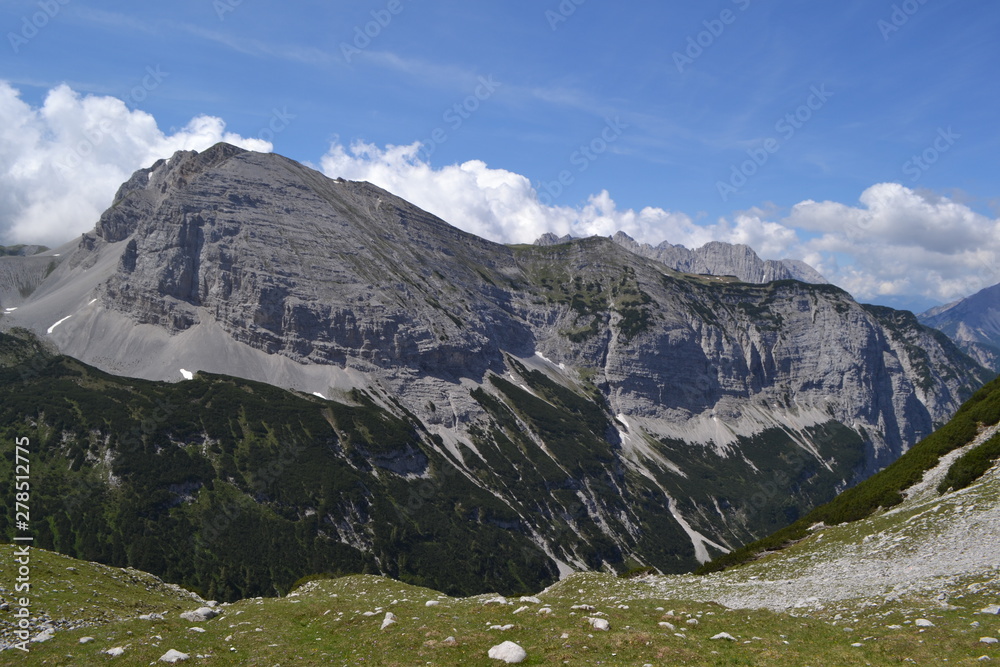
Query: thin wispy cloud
(262,49)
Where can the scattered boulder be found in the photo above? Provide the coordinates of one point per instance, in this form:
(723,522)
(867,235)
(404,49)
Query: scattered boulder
(988,640)
(390,619)
(496,600)
(598,623)
(992,609)
(116,651)
(502,628)
(173,656)
(86,640)
(923,623)
(431,603)
(509,652)
(726,636)
(44,636)
(151,617)
(530,599)
(667,626)
(200,615)
(196,629)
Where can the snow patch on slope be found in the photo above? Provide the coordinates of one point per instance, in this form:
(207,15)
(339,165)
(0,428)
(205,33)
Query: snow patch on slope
(53,327)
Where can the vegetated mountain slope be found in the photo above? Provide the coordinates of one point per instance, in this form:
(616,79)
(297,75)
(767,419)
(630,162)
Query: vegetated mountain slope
(949,460)
(238,489)
(623,413)
(974,323)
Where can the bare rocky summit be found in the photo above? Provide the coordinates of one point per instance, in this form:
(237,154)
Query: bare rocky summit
(723,259)
(715,259)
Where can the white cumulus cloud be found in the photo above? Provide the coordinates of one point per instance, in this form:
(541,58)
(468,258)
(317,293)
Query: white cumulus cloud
(497,204)
(902,242)
(61,163)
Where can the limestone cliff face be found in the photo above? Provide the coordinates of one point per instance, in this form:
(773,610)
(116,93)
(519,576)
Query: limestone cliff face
(592,359)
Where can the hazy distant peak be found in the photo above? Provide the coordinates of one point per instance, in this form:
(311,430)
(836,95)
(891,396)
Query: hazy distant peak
(719,258)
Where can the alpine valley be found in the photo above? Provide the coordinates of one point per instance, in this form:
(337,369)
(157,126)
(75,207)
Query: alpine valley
(249,373)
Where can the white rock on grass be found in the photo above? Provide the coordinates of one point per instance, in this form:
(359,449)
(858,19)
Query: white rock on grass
(923,623)
(174,656)
(508,652)
(988,640)
(200,615)
(116,651)
(496,600)
(530,599)
(431,603)
(598,623)
(196,629)
(992,609)
(668,626)
(86,640)
(725,635)
(390,619)
(502,628)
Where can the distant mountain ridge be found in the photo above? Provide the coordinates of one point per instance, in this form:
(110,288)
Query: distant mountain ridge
(619,412)
(22,270)
(715,258)
(974,323)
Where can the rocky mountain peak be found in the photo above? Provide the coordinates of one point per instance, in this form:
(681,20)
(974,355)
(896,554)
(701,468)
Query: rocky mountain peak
(586,366)
(149,186)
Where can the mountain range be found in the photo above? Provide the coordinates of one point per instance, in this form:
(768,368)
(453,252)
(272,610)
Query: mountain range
(244,351)
(974,323)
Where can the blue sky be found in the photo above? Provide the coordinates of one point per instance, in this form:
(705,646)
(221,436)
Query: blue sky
(782,125)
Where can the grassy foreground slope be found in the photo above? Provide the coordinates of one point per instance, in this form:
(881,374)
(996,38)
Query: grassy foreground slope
(340,622)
